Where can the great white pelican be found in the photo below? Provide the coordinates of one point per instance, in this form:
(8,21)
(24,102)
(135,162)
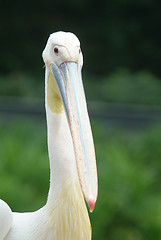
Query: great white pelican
(73,174)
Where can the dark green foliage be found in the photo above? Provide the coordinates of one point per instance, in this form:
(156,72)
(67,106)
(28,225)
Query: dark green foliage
(124,86)
(129,179)
(24,173)
(113,34)
(129,168)
(21,85)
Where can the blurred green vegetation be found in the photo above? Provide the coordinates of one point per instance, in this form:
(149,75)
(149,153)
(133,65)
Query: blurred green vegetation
(129,200)
(24,168)
(122,86)
(21,85)
(112,33)
(129,167)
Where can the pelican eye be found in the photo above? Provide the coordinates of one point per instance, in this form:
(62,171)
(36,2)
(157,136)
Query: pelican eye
(79,50)
(56,50)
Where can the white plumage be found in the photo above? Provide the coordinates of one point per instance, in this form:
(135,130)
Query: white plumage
(71,153)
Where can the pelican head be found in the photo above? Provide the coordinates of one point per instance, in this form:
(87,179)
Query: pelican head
(64,60)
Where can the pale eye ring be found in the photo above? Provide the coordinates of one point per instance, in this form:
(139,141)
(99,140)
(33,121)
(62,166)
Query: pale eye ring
(56,50)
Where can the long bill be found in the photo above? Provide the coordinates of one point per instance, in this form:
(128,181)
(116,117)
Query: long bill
(69,80)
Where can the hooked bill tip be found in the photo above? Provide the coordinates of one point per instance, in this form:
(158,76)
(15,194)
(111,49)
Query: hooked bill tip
(91,204)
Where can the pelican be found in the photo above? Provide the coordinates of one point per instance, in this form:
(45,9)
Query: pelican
(73,172)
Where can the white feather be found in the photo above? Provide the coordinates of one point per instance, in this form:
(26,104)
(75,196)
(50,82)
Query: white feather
(64,217)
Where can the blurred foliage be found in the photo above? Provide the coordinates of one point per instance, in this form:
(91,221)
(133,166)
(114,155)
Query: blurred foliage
(129,170)
(122,86)
(128,205)
(21,85)
(113,33)
(24,168)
